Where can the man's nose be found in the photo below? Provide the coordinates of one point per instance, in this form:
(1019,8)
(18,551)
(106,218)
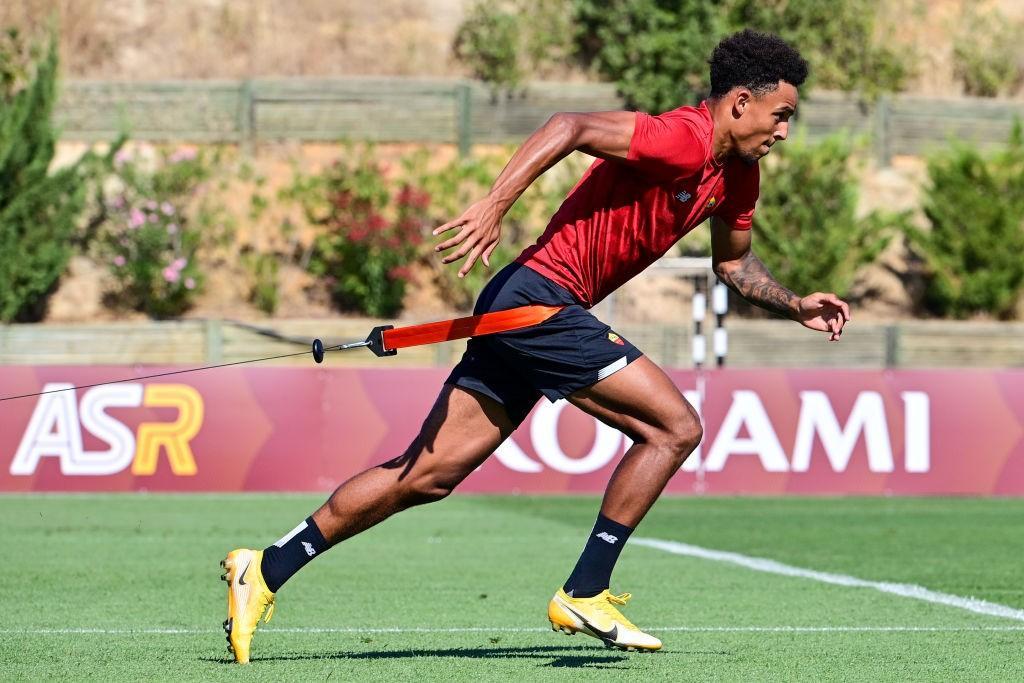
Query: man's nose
(782,131)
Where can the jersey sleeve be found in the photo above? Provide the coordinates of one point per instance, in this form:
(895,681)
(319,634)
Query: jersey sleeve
(667,147)
(743,186)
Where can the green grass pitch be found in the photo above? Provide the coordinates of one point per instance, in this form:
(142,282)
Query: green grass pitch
(126,587)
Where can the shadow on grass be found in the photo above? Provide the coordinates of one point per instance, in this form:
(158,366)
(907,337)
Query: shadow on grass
(555,656)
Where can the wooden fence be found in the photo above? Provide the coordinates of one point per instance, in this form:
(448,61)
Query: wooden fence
(463,112)
(752,343)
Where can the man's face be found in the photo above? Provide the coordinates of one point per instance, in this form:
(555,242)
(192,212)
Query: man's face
(759,121)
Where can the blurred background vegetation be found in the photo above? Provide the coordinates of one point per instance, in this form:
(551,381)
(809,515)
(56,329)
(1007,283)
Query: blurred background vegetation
(165,230)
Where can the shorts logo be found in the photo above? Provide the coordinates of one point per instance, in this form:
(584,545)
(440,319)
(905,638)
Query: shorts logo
(683,196)
(711,203)
(614,338)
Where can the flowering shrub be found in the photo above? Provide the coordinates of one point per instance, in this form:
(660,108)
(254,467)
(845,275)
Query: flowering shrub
(148,240)
(374,222)
(370,235)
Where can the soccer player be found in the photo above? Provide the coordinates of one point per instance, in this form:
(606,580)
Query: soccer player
(655,179)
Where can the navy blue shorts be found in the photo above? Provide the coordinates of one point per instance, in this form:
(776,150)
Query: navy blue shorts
(569,351)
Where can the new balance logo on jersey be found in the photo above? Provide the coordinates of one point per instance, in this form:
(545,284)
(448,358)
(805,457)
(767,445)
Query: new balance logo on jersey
(309,548)
(605,536)
(683,196)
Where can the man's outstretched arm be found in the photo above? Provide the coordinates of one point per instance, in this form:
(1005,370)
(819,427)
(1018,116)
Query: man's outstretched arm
(602,134)
(741,270)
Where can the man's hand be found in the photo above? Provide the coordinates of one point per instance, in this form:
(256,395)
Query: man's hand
(824,312)
(479,235)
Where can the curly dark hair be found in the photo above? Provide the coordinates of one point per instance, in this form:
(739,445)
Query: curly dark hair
(755,60)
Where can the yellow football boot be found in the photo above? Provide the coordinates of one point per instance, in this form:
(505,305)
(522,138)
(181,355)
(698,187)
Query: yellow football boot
(248,597)
(598,617)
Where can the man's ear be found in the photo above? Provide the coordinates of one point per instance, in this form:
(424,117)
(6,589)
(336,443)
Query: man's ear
(740,102)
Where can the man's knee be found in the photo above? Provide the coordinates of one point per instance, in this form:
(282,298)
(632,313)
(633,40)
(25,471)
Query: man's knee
(681,436)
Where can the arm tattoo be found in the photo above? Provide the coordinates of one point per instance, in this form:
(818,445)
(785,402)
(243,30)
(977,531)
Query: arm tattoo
(750,279)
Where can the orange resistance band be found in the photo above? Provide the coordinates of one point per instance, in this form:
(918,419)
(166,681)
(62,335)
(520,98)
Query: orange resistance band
(472,326)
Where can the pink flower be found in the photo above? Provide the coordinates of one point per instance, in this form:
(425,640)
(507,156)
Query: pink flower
(117,202)
(179,263)
(171,275)
(190,283)
(122,157)
(167,209)
(151,205)
(136,218)
(172,228)
(119,260)
(182,154)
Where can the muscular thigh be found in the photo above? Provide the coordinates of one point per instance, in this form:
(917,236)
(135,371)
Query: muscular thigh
(639,400)
(462,429)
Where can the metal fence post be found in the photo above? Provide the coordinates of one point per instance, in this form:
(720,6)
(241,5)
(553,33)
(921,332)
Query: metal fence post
(882,125)
(246,118)
(464,118)
(892,346)
(214,341)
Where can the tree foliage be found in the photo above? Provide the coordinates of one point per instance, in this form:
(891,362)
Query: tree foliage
(488,43)
(988,53)
(842,41)
(505,42)
(975,206)
(806,228)
(39,208)
(656,51)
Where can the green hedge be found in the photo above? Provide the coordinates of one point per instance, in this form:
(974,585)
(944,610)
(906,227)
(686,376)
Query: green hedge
(40,210)
(974,250)
(806,228)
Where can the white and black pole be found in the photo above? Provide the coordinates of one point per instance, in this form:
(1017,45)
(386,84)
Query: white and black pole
(720,306)
(700,304)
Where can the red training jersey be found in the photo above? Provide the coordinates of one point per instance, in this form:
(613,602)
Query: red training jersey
(623,215)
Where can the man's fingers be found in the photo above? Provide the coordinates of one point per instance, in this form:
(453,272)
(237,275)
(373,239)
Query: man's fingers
(468,265)
(838,303)
(842,305)
(838,323)
(486,257)
(453,241)
(466,247)
(449,225)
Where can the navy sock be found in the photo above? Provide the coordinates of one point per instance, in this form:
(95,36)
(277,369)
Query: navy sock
(593,571)
(292,553)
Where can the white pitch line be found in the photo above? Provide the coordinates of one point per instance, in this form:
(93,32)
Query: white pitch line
(503,629)
(906,590)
